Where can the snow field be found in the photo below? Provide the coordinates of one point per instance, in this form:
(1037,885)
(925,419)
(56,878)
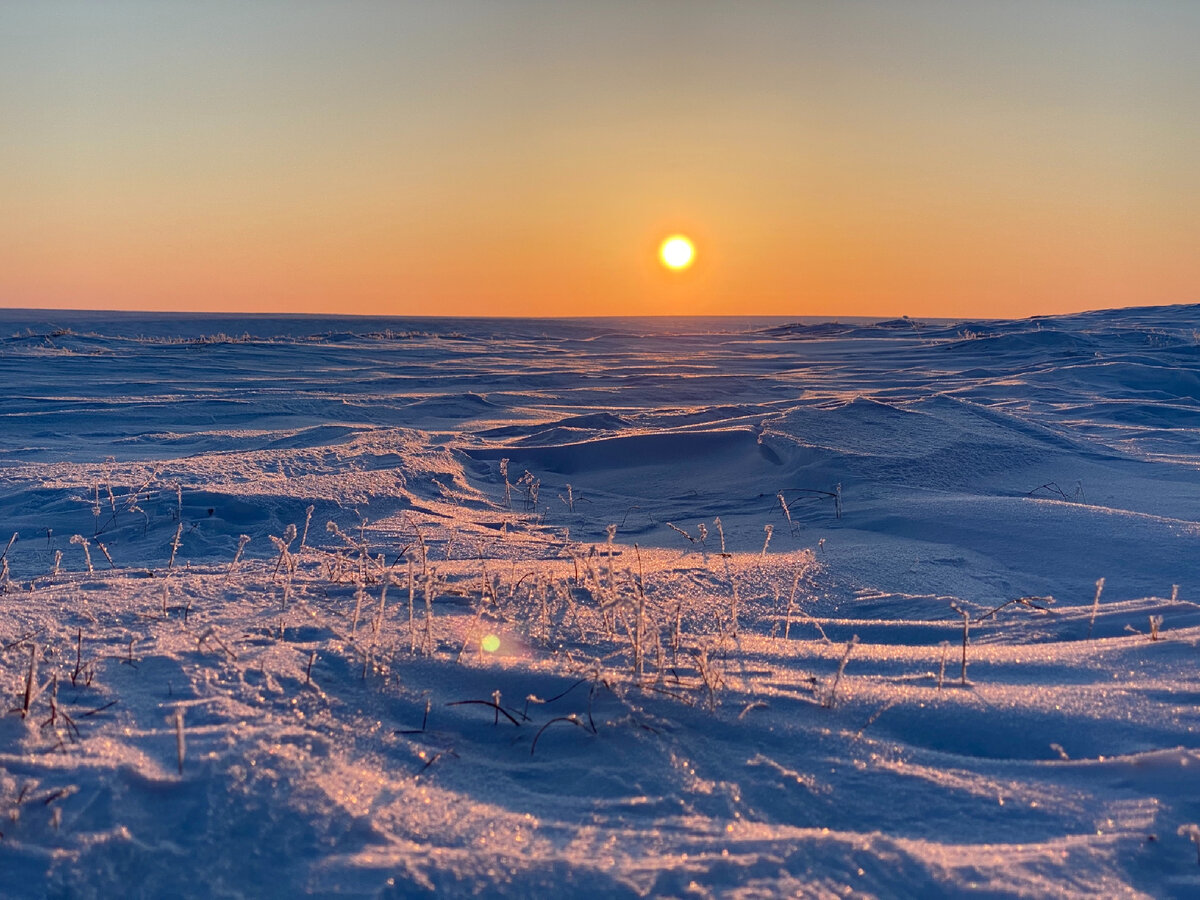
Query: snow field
(431,671)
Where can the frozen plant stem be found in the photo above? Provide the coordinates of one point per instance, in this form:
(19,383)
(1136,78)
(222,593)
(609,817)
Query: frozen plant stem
(412,625)
(83,542)
(573,719)
(676,628)
(707,676)
(787,513)
(1095,606)
(612,577)
(179,744)
(735,604)
(379,612)
(283,544)
(358,600)
(421,543)
(787,625)
(30,681)
(966,617)
(429,588)
(175,546)
(308,513)
(78,656)
(544,608)
(679,530)
(242,542)
(831,700)
(1192,832)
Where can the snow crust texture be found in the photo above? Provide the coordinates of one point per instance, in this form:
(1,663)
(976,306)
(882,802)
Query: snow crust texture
(599,608)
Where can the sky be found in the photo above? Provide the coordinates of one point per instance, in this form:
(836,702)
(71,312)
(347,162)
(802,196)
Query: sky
(521,158)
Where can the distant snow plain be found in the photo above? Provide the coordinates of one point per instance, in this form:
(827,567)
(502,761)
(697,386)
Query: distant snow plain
(599,608)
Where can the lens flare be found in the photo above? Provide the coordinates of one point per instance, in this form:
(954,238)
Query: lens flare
(490,644)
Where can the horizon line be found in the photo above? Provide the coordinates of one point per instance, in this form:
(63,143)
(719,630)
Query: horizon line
(454,316)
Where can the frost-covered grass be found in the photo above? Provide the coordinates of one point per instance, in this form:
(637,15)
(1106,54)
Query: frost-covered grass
(656,614)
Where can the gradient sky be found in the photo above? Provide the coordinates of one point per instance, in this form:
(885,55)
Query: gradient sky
(482,157)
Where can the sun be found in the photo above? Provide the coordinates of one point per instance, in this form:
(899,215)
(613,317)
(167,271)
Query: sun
(677,252)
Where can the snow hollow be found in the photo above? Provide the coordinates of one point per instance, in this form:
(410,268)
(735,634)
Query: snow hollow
(599,608)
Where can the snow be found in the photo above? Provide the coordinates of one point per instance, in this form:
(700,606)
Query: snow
(694,706)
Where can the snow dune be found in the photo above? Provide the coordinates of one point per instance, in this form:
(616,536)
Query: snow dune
(599,607)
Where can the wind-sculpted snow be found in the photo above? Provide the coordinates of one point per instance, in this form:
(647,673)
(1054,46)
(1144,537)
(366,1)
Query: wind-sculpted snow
(599,608)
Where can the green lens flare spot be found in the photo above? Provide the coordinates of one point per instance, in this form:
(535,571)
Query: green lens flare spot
(491,643)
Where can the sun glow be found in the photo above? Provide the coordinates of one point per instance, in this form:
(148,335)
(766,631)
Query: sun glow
(677,252)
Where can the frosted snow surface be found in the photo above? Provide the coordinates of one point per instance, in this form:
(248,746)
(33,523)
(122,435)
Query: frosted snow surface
(599,608)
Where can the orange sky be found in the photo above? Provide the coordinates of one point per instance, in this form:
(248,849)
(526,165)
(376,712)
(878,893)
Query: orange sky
(526,158)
